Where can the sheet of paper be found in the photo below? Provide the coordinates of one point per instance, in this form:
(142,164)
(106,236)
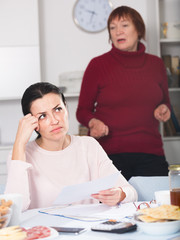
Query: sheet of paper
(78,192)
(85,215)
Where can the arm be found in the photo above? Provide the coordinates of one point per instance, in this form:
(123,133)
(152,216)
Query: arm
(88,94)
(102,166)
(88,97)
(25,129)
(162,112)
(17,180)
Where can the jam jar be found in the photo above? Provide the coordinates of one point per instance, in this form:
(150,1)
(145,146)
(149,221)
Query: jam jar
(174,178)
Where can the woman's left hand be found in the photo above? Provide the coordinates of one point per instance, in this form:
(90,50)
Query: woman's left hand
(111,196)
(162,113)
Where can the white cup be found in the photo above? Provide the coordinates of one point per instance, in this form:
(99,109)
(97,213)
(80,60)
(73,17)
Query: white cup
(16,207)
(162,197)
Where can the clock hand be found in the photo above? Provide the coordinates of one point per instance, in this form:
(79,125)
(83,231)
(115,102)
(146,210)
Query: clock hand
(92,12)
(92,15)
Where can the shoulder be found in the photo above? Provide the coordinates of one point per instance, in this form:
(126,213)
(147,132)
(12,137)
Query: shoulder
(86,140)
(101,58)
(154,59)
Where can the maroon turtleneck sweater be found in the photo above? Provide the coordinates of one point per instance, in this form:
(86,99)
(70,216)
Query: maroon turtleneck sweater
(122,89)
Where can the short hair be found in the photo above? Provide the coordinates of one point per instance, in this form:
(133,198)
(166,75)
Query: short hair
(129,13)
(36,91)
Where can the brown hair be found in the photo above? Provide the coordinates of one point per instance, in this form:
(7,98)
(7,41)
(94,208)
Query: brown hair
(130,13)
(36,91)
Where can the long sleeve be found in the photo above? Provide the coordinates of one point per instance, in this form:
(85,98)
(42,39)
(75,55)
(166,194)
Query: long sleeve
(164,86)
(101,166)
(88,94)
(17,180)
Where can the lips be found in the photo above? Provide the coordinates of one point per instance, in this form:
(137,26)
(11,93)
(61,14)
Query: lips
(121,40)
(56,129)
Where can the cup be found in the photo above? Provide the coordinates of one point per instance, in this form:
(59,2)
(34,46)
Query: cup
(16,207)
(162,197)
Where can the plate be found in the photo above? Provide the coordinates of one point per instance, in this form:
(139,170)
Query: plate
(158,228)
(53,235)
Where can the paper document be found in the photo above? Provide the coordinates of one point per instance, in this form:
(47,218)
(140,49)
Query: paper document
(78,192)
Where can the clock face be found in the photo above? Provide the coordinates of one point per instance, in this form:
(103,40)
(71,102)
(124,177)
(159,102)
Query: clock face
(92,15)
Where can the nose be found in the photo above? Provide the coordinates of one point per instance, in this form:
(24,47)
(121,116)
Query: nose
(54,119)
(119,30)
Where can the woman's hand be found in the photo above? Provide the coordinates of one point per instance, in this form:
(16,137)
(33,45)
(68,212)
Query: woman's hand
(25,129)
(98,128)
(111,196)
(162,113)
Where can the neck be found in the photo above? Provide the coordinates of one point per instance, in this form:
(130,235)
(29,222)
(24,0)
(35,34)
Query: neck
(54,145)
(130,59)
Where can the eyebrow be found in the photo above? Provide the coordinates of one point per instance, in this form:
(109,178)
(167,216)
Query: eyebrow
(123,20)
(40,113)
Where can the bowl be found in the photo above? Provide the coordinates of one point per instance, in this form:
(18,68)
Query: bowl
(5,218)
(158,228)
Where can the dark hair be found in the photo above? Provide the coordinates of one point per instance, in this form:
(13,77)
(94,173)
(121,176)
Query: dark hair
(38,90)
(128,12)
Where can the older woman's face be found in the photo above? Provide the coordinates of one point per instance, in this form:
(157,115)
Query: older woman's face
(52,116)
(123,34)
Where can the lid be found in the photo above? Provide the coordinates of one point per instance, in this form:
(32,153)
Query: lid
(174,167)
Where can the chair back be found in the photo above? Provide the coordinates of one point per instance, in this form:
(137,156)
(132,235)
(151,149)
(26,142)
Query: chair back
(146,186)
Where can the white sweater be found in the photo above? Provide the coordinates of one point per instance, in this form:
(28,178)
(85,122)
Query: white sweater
(43,175)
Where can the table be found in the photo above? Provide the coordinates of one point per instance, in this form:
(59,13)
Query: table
(87,216)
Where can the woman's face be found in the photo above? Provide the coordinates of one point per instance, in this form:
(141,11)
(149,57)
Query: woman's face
(52,116)
(123,34)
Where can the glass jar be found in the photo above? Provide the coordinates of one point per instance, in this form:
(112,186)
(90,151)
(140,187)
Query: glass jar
(174,178)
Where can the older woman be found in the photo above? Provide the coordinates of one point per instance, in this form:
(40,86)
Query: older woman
(41,168)
(124,95)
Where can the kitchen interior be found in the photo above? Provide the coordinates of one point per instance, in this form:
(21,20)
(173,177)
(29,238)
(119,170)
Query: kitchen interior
(44,44)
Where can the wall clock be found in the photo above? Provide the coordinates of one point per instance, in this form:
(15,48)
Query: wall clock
(92,15)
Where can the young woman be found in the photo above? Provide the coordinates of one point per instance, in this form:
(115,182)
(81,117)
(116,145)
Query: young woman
(124,95)
(41,168)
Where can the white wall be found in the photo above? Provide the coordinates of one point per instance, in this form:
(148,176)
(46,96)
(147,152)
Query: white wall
(19,46)
(19,60)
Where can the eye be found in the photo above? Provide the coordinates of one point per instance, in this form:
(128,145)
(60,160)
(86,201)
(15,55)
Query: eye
(125,25)
(111,27)
(58,109)
(42,116)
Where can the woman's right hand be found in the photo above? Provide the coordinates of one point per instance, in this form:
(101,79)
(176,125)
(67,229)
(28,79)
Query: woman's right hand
(26,127)
(98,128)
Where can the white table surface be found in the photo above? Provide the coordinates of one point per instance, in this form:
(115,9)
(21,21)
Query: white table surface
(33,217)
